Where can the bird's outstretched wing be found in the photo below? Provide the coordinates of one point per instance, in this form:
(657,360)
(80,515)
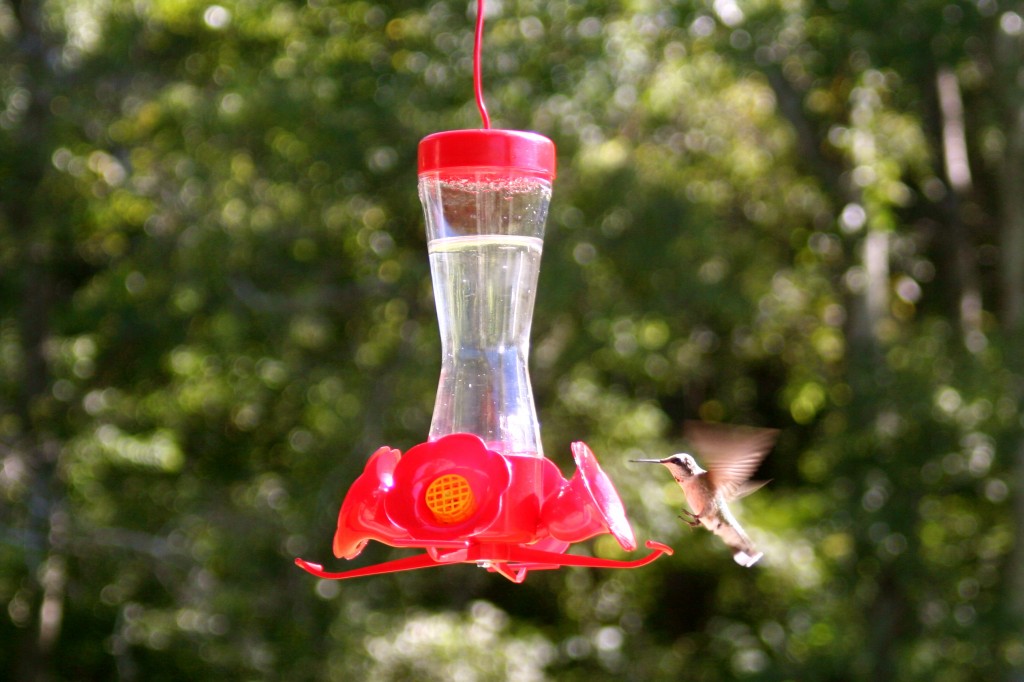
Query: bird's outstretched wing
(731,454)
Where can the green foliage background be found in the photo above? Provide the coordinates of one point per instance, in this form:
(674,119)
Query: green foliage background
(216,304)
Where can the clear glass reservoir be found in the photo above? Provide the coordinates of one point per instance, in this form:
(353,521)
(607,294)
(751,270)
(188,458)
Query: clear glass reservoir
(485,194)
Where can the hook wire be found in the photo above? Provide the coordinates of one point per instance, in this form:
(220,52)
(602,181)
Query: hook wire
(478,88)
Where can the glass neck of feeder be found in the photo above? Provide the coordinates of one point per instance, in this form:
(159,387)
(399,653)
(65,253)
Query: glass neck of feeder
(485,234)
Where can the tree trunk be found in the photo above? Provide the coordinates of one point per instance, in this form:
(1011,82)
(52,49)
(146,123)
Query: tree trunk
(1009,81)
(44,560)
(957,168)
(27,214)
(1012,208)
(1009,74)
(871,306)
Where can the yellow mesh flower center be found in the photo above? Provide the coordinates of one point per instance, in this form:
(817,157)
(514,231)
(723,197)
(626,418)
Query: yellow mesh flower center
(450,498)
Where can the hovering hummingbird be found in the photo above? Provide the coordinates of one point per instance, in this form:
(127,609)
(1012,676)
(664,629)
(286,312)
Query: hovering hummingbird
(731,454)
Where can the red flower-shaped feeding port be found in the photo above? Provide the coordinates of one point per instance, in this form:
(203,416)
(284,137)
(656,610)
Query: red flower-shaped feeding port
(464,503)
(450,488)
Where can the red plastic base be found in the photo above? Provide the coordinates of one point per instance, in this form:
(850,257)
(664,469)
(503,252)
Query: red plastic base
(465,503)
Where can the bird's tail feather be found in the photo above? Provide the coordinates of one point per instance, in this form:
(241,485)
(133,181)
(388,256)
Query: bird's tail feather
(746,560)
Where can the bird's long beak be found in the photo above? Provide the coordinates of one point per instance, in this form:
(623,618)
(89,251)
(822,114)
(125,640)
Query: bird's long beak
(648,461)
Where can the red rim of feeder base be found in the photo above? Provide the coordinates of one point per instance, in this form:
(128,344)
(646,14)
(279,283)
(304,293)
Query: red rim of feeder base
(516,152)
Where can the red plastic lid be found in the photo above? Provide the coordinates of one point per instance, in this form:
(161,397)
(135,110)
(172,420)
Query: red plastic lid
(513,150)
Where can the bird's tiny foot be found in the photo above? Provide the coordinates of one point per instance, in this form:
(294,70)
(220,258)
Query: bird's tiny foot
(692,520)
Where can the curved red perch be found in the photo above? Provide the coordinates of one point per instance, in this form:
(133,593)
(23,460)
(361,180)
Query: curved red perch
(514,564)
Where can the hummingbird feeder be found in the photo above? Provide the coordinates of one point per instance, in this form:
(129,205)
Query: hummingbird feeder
(480,490)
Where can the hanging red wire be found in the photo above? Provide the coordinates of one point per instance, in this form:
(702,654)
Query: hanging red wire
(478,88)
